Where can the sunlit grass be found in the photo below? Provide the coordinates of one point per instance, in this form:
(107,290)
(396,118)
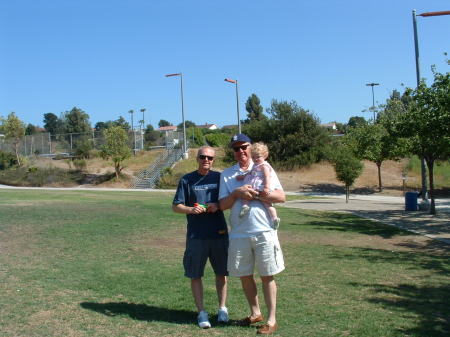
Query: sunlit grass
(92,263)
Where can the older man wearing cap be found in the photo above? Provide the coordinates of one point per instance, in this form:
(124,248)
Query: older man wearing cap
(252,239)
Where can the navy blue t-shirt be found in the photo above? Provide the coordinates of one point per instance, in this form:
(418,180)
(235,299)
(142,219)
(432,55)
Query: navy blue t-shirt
(192,188)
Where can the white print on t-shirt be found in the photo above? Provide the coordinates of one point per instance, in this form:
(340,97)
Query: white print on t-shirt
(205,187)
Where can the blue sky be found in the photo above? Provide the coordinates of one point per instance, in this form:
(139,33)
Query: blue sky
(109,56)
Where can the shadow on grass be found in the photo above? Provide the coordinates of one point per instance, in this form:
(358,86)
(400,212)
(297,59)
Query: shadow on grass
(141,312)
(349,223)
(439,263)
(428,303)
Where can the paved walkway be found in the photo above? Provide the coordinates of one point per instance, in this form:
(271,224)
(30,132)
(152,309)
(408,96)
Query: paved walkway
(388,210)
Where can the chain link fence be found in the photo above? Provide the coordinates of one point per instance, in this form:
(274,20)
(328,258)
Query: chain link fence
(45,144)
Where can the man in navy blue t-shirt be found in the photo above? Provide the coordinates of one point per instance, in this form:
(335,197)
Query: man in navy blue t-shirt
(207,236)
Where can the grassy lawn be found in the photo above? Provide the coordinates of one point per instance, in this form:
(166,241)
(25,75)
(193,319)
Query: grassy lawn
(90,263)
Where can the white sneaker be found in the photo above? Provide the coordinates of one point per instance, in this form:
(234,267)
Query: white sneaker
(276,223)
(222,315)
(203,320)
(244,211)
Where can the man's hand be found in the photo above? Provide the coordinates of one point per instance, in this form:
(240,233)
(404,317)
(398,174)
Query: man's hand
(245,192)
(198,209)
(212,207)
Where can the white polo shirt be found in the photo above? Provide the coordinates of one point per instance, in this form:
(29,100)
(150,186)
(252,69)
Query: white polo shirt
(258,218)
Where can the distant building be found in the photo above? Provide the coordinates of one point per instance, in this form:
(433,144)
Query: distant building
(208,126)
(167,129)
(329,126)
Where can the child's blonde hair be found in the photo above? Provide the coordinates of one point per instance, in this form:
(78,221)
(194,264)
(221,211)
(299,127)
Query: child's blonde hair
(260,149)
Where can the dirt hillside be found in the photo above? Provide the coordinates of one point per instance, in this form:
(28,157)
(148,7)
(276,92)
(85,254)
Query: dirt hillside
(316,178)
(322,178)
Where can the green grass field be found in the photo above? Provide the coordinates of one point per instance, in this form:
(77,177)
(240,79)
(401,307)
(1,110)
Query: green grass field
(91,263)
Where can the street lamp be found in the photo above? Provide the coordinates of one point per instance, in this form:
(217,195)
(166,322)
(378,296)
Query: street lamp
(237,101)
(182,112)
(131,112)
(373,99)
(142,122)
(416,48)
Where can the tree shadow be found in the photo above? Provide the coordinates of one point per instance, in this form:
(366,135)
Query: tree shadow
(141,312)
(343,222)
(436,263)
(428,303)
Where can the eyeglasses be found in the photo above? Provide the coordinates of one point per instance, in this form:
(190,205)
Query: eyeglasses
(242,147)
(203,157)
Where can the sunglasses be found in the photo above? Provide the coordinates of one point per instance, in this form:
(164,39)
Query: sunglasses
(203,157)
(242,147)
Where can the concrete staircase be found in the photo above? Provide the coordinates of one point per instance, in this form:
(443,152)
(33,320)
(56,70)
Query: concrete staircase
(148,177)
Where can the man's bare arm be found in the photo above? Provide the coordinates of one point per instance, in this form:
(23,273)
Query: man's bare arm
(181,208)
(276,196)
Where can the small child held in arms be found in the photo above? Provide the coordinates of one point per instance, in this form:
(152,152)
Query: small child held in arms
(260,179)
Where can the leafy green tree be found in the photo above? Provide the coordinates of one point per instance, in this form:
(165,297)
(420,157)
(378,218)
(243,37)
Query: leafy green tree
(116,147)
(163,122)
(14,130)
(52,123)
(347,167)
(31,129)
(187,124)
(254,109)
(374,143)
(356,121)
(121,121)
(294,135)
(151,135)
(76,121)
(427,124)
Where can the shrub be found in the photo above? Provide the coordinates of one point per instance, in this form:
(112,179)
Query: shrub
(217,139)
(7,160)
(80,164)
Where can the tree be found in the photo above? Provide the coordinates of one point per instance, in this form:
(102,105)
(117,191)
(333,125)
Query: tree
(294,135)
(14,130)
(122,123)
(163,122)
(373,142)
(100,126)
(427,124)
(151,135)
(31,129)
(347,167)
(254,109)
(52,123)
(356,121)
(76,121)
(116,147)
(187,124)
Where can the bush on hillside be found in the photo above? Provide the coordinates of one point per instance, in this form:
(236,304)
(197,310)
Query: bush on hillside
(7,160)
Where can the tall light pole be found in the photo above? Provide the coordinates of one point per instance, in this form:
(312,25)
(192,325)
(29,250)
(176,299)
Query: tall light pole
(416,48)
(131,112)
(142,128)
(373,99)
(182,112)
(237,101)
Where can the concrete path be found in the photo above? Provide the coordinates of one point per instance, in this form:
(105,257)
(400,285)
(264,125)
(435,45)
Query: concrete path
(388,210)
